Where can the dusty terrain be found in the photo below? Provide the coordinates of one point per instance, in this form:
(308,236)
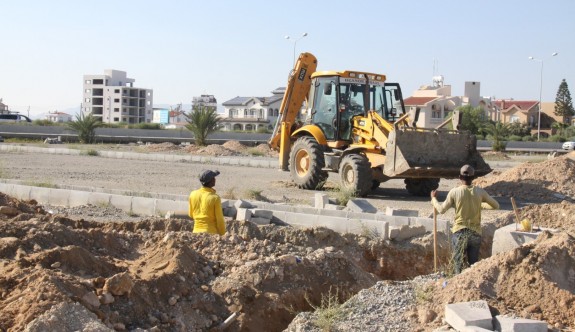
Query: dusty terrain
(144,273)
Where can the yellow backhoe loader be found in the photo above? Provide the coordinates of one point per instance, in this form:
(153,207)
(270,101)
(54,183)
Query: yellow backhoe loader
(355,124)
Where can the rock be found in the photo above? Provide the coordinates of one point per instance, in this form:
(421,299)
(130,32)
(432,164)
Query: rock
(9,211)
(426,315)
(119,284)
(56,265)
(91,299)
(106,298)
(173,300)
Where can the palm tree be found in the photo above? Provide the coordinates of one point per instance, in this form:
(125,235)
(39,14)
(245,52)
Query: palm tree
(201,122)
(559,127)
(85,126)
(498,131)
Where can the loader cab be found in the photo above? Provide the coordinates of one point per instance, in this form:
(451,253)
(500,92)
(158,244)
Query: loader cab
(338,97)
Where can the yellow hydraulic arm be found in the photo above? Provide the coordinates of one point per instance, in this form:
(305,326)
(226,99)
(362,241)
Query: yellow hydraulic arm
(298,87)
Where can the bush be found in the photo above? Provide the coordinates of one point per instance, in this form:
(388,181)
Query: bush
(499,146)
(528,139)
(43,123)
(515,138)
(556,138)
(154,126)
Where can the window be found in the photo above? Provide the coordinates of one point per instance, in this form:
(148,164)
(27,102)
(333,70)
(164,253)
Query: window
(514,118)
(87,90)
(116,109)
(88,82)
(435,111)
(276,112)
(116,100)
(98,81)
(149,93)
(116,90)
(271,112)
(87,100)
(148,102)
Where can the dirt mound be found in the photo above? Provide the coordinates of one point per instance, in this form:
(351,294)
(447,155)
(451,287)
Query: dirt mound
(495,155)
(549,181)
(535,281)
(161,147)
(155,273)
(217,150)
(235,146)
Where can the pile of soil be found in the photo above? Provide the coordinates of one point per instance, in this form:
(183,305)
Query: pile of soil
(229,148)
(155,273)
(549,181)
(535,281)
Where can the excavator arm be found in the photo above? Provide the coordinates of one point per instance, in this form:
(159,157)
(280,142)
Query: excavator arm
(298,86)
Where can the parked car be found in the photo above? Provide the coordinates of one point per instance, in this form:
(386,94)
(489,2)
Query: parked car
(1,139)
(569,146)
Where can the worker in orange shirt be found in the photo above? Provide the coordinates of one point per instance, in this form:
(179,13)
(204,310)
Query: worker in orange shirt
(205,206)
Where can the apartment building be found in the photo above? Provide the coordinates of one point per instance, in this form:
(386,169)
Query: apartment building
(113,98)
(205,101)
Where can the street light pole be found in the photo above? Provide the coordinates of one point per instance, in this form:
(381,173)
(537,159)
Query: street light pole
(540,94)
(295,43)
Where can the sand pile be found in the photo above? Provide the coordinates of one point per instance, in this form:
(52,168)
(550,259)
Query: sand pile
(549,181)
(235,146)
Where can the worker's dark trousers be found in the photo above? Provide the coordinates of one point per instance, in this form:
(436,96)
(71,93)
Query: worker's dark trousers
(466,244)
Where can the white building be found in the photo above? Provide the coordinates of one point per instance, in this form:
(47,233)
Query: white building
(113,98)
(252,113)
(205,101)
(58,117)
(436,102)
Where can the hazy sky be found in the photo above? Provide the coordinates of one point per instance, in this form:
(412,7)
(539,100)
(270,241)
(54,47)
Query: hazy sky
(182,49)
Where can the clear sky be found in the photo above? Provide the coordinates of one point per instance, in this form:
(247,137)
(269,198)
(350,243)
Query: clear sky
(183,49)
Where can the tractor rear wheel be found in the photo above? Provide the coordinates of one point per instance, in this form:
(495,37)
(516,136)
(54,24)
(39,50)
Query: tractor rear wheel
(306,163)
(421,187)
(355,174)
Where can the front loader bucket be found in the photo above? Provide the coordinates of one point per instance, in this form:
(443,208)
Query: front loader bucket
(430,153)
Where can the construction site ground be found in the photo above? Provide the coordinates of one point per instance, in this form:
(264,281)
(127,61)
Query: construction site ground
(105,269)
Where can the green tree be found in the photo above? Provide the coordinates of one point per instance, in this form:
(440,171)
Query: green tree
(473,119)
(85,126)
(201,122)
(519,129)
(563,102)
(498,131)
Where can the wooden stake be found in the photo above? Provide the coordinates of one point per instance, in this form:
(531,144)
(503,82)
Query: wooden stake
(517,221)
(435,240)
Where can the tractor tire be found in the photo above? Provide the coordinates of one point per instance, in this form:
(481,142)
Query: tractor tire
(306,163)
(355,174)
(421,187)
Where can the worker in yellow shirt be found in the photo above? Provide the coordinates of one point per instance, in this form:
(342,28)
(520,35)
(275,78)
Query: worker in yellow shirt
(205,206)
(467,200)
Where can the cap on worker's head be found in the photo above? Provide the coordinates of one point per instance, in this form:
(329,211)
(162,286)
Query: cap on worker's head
(207,176)
(467,170)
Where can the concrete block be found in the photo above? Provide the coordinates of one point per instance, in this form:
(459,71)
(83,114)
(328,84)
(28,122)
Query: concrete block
(243,214)
(321,200)
(372,228)
(164,205)
(240,203)
(333,207)
(392,220)
(226,203)
(400,212)
(509,324)
(99,199)
(442,224)
(361,205)
(230,211)
(181,214)
(360,215)
(301,219)
(507,238)
(332,212)
(407,232)
(306,210)
(260,220)
(121,202)
(78,198)
(262,213)
(393,232)
(475,329)
(21,192)
(144,206)
(40,194)
(59,197)
(467,314)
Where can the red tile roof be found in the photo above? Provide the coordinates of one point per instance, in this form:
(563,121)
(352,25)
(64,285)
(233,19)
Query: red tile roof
(416,101)
(524,105)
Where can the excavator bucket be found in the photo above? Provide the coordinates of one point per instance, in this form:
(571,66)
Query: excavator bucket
(431,153)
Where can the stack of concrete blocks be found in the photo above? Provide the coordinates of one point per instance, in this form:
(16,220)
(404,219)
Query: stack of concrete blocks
(476,316)
(248,212)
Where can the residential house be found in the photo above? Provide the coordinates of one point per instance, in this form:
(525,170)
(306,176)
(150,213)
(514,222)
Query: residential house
(252,113)
(3,107)
(58,117)
(113,98)
(434,102)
